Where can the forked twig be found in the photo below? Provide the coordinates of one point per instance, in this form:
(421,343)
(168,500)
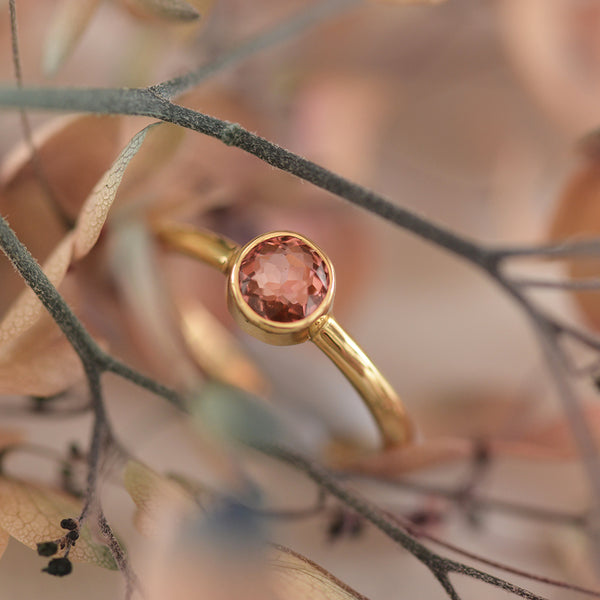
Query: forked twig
(154,102)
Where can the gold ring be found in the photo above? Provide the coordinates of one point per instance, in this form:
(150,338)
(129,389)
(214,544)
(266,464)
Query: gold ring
(280,289)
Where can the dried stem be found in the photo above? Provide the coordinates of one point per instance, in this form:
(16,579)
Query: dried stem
(154,102)
(477,502)
(564,284)
(143,102)
(315,14)
(440,566)
(422,534)
(132,581)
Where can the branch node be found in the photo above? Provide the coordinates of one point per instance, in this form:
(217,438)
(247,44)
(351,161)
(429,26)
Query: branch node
(231,134)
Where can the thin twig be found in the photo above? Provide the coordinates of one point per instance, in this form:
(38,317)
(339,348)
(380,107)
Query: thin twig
(315,14)
(567,249)
(547,332)
(478,502)
(584,284)
(132,581)
(101,437)
(109,363)
(143,102)
(421,533)
(439,565)
(148,102)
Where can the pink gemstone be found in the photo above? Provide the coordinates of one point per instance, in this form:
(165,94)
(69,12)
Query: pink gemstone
(283,279)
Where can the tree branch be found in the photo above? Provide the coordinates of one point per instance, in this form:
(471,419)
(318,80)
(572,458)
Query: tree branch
(439,565)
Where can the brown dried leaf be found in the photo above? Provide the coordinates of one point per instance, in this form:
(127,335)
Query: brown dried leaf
(146,303)
(31,513)
(96,207)
(26,311)
(4,537)
(9,437)
(556,436)
(34,356)
(74,153)
(550,441)
(577,214)
(154,495)
(157,151)
(571,546)
(410,1)
(217,351)
(296,578)
(398,461)
(70,20)
(41,362)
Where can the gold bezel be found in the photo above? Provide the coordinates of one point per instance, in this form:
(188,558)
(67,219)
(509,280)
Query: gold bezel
(273,332)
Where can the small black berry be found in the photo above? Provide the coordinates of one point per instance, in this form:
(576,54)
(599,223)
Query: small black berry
(59,567)
(69,524)
(73,535)
(47,548)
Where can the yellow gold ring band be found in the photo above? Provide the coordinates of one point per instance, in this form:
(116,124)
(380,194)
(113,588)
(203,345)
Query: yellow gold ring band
(282,325)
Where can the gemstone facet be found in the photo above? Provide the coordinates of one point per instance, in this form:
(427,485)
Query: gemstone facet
(283,279)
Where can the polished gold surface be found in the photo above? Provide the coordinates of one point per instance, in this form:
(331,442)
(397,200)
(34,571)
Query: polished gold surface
(379,396)
(320,326)
(216,251)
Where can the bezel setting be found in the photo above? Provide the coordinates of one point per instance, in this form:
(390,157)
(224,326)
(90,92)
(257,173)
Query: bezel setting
(274,332)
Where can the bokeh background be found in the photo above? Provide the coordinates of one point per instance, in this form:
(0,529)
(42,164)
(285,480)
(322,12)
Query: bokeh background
(465,112)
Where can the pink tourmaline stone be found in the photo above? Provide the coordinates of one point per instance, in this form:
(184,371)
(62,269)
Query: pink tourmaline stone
(283,279)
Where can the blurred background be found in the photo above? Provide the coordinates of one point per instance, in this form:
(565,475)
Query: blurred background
(465,112)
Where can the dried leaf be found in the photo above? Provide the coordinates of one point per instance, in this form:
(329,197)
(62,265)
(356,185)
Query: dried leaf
(577,214)
(398,461)
(9,437)
(202,6)
(74,153)
(571,546)
(296,578)
(217,351)
(154,495)
(145,299)
(4,537)
(27,309)
(158,150)
(31,513)
(410,1)
(556,436)
(41,362)
(70,20)
(174,10)
(35,358)
(96,207)
(550,441)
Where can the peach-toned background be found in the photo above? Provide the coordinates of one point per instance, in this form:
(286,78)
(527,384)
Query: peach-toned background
(451,111)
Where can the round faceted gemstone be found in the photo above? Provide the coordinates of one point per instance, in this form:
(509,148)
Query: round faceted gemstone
(283,279)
